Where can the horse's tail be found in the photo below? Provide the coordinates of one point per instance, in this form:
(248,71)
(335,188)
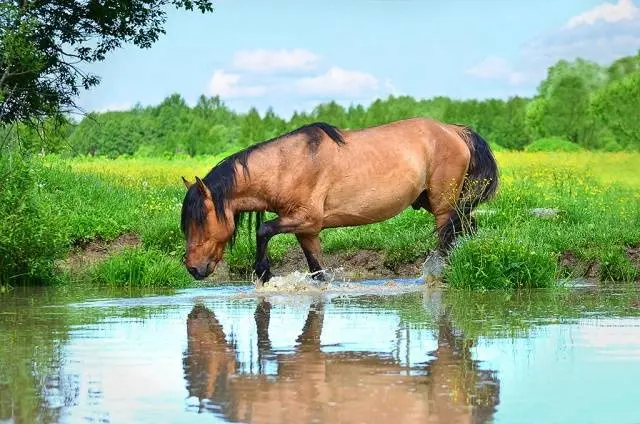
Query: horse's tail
(480,185)
(481,182)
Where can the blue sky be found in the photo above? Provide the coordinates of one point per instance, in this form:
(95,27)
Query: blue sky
(292,55)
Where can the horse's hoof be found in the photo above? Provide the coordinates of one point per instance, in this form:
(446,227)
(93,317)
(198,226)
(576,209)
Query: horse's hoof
(260,281)
(433,269)
(320,275)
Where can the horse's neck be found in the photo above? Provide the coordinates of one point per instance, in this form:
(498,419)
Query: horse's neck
(247,198)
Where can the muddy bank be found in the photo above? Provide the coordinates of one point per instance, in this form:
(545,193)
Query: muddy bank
(352,264)
(355,265)
(592,269)
(86,254)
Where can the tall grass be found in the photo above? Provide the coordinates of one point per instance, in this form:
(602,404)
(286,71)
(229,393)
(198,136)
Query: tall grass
(597,196)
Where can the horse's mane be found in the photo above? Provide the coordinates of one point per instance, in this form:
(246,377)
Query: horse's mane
(221,179)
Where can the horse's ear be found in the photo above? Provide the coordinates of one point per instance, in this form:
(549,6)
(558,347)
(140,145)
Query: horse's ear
(203,189)
(187,184)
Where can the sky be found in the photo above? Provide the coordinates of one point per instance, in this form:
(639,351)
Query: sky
(292,55)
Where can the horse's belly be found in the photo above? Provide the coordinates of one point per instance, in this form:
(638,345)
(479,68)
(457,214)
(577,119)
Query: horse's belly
(375,181)
(350,206)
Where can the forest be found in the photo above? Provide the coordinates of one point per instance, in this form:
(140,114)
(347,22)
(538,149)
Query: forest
(579,105)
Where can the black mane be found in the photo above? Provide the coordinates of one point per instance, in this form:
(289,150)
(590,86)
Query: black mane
(221,179)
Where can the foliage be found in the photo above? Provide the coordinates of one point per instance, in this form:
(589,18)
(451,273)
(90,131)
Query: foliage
(553,144)
(46,209)
(583,102)
(617,106)
(44,42)
(28,236)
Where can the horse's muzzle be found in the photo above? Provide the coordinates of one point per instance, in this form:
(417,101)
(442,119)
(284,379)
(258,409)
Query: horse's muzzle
(201,274)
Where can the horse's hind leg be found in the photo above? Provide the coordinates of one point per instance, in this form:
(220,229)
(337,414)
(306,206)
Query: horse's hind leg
(444,191)
(310,244)
(444,198)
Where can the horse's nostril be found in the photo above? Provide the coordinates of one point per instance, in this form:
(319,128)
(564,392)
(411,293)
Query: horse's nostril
(193,271)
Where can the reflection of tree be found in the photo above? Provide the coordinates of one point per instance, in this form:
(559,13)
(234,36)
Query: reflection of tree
(35,384)
(341,386)
(29,357)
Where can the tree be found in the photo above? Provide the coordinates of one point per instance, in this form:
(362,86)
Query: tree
(567,109)
(562,107)
(624,66)
(617,106)
(593,75)
(43,43)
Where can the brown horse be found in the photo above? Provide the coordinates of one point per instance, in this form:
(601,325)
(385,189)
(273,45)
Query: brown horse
(319,177)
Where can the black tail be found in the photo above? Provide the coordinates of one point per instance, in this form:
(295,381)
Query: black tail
(480,184)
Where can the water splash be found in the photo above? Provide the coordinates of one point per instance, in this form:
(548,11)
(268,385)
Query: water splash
(297,281)
(302,283)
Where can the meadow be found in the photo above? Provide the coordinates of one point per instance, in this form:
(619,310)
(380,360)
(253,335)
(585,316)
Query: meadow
(93,202)
(99,200)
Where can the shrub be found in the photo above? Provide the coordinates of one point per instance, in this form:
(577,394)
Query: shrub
(495,147)
(29,237)
(552,144)
(612,146)
(501,262)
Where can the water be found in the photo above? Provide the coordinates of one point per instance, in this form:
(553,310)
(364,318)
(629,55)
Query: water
(368,352)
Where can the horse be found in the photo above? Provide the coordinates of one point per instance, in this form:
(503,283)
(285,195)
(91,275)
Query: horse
(319,176)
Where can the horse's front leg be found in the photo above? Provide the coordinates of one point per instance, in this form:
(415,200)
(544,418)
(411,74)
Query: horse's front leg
(310,244)
(268,229)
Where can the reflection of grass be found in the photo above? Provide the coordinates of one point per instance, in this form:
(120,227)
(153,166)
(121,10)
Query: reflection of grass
(508,313)
(408,306)
(505,313)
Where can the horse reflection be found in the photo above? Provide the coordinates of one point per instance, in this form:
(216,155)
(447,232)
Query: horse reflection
(312,385)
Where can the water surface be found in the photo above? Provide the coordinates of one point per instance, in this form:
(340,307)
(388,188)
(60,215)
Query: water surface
(381,353)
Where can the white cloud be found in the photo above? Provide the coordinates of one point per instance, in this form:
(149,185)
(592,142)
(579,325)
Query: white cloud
(494,67)
(262,60)
(607,12)
(337,82)
(263,77)
(391,88)
(228,86)
(115,107)
(601,34)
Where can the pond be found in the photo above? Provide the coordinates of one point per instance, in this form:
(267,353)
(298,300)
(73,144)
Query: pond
(378,353)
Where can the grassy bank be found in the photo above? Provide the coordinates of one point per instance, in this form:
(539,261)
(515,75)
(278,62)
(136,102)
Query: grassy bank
(116,222)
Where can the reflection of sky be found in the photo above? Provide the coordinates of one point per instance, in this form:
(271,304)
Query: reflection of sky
(130,370)
(586,372)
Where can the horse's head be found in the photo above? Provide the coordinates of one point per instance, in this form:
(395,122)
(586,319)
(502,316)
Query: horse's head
(206,232)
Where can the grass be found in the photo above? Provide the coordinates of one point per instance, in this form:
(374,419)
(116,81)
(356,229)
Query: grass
(597,195)
(136,267)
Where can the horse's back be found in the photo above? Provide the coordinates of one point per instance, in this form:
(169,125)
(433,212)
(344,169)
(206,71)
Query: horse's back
(381,170)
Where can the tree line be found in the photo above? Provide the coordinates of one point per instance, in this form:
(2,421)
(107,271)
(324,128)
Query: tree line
(593,106)
(582,102)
